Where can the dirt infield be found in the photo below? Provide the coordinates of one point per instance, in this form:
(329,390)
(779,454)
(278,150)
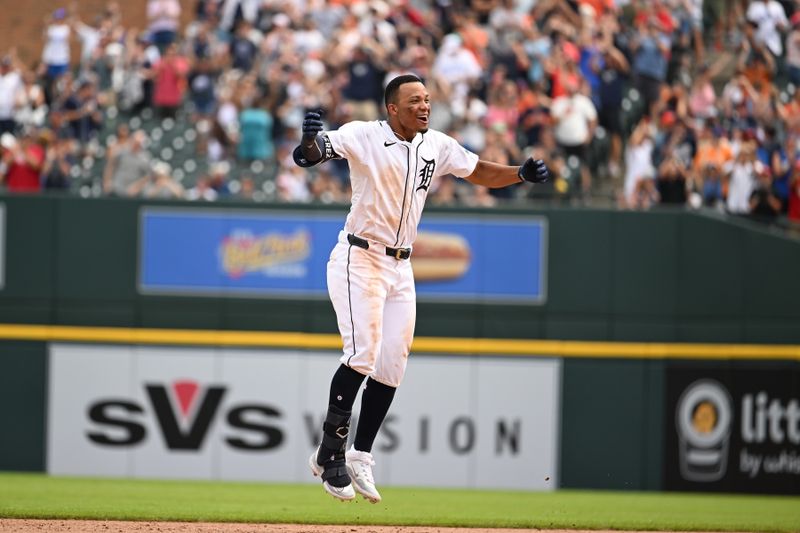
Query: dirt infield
(107,526)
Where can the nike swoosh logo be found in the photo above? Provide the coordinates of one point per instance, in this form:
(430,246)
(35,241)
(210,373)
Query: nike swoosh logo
(387,143)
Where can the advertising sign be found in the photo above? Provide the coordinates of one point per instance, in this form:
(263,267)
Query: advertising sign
(235,414)
(733,429)
(285,254)
(222,252)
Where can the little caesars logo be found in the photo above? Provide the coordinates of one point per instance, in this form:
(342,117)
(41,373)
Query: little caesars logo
(703,419)
(704,416)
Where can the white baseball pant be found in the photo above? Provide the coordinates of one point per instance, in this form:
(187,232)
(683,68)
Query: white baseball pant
(374,298)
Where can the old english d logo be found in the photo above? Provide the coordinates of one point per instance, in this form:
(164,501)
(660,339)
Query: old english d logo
(426,173)
(186,433)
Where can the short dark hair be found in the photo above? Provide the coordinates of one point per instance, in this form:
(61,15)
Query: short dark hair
(390,95)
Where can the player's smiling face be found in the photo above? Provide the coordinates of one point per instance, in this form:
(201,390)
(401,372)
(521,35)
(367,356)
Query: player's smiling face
(412,111)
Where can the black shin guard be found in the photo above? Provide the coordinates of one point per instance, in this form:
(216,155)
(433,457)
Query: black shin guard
(375,402)
(331,451)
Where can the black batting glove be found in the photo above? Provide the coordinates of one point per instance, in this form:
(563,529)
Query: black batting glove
(312,125)
(534,171)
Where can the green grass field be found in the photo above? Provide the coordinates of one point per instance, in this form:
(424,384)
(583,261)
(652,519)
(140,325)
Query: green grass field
(40,496)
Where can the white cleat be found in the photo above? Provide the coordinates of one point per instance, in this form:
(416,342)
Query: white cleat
(344,494)
(359,466)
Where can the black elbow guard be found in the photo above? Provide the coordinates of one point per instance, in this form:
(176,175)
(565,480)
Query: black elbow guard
(325,148)
(301,161)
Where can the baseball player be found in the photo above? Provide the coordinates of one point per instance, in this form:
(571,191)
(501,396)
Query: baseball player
(393,164)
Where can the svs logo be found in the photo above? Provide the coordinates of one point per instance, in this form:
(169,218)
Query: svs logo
(184,413)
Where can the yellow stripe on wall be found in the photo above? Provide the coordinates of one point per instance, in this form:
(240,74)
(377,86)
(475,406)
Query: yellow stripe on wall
(437,345)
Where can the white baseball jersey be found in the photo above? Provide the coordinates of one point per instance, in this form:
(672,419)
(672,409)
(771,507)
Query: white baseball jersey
(372,293)
(390,178)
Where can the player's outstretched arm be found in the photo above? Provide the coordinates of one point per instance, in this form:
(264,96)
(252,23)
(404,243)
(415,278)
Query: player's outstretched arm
(495,175)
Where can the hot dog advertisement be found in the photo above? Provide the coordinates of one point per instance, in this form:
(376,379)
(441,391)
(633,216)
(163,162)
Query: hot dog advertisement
(440,256)
(244,253)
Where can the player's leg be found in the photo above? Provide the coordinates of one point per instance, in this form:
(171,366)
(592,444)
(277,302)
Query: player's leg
(328,460)
(358,290)
(355,297)
(398,333)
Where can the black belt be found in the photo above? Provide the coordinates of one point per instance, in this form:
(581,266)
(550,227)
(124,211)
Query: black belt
(397,253)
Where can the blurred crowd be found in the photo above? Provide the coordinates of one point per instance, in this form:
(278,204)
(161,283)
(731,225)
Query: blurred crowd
(639,102)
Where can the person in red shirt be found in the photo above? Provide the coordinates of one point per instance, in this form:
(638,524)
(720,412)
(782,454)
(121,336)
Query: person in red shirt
(23,161)
(169,83)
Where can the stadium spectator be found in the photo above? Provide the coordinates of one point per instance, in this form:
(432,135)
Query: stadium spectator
(136,86)
(363,89)
(575,119)
(243,50)
(170,74)
(741,179)
(327,188)
(770,20)
(202,82)
(639,171)
(10,89)
(247,189)
(713,149)
(500,150)
(764,204)
(83,113)
(793,50)
(218,179)
(536,46)
(456,68)
(31,107)
(255,132)
(55,54)
(157,184)
(163,17)
(702,97)
(202,191)
(498,73)
(502,113)
(445,192)
(711,185)
(127,164)
(772,153)
(612,73)
(59,161)
(671,182)
(651,47)
(292,184)
(22,162)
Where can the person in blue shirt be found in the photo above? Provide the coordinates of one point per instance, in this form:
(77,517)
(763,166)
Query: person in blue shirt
(255,133)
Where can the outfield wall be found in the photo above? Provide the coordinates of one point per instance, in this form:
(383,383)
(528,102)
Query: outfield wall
(534,415)
(668,276)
